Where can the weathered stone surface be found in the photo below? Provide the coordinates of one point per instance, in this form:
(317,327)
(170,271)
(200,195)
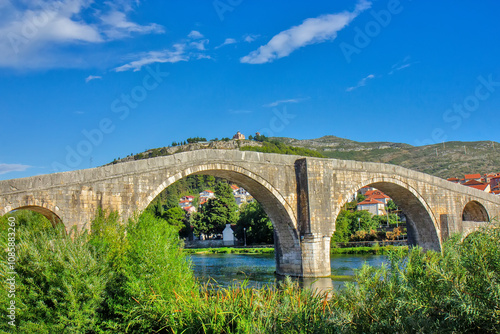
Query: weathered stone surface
(302,196)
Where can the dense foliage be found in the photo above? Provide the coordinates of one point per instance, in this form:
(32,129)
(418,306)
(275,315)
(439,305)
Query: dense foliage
(216,212)
(280,148)
(259,228)
(133,278)
(362,226)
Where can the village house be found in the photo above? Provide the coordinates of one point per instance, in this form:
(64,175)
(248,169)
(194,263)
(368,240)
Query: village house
(471,177)
(373,206)
(205,195)
(189,209)
(363,190)
(378,195)
(494,182)
(478,185)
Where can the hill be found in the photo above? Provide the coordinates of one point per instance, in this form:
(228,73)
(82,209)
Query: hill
(442,160)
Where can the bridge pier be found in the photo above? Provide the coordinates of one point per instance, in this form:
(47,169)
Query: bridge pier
(315,255)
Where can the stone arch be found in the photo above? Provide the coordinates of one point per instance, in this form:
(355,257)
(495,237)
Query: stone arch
(475,212)
(421,223)
(47,213)
(287,242)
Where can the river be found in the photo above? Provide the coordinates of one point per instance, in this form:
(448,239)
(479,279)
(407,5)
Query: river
(258,269)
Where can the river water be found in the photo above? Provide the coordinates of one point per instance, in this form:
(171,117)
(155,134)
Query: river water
(258,269)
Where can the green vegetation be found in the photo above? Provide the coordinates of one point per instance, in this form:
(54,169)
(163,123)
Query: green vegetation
(347,250)
(229,250)
(133,277)
(190,185)
(259,228)
(216,212)
(277,147)
(450,159)
(353,225)
(377,250)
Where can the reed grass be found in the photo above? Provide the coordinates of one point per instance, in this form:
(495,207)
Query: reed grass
(133,277)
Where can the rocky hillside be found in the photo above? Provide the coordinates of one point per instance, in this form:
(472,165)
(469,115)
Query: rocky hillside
(443,160)
(220,145)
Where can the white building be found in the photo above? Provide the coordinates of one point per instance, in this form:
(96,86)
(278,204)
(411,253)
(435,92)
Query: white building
(228,236)
(373,206)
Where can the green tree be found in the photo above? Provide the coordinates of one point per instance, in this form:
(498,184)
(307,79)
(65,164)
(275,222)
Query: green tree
(360,198)
(391,206)
(217,212)
(259,228)
(175,217)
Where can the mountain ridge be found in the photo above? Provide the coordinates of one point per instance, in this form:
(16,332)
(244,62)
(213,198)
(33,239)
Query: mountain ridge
(448,159)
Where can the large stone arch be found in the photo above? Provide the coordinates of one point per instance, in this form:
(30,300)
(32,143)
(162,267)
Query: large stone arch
(47,213)
(421,223)
(475,212)
(287,242)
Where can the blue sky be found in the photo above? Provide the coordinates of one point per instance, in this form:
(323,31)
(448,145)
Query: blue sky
(83,82)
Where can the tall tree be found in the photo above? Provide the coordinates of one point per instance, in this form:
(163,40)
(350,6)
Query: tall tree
(217,212)
(259,228)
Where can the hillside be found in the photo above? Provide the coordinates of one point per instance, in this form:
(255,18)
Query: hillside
(442,160)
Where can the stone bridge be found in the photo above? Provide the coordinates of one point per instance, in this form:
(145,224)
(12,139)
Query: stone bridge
(302,197)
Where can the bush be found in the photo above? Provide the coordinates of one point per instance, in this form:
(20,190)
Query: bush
(59,284)
(426,292)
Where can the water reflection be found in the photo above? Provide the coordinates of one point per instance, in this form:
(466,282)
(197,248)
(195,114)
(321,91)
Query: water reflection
(258,269)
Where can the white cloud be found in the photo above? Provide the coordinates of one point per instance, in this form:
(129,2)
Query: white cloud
(92,77)
(277,103)
(199,45)
(175,55)
(194,34)
(119,27)
(37,33)
(361,83)
(8,168)
(228,41)
(250,38)
(182,51)
(311,31)
(401,65)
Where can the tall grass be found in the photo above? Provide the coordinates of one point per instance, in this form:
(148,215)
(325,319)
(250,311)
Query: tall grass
(133,277)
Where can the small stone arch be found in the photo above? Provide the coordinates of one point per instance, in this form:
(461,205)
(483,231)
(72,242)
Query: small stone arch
(475,212)
(421,222)
(47,213)
(287,242)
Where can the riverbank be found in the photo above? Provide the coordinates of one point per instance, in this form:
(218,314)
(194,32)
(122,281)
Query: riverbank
(376,250)
(229,250)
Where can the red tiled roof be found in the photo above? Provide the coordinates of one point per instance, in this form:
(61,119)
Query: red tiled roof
(479,186)
(376,194)
(453,179)
(473,183)
(472,176)
(496,192)
(234,187)
(370,201)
